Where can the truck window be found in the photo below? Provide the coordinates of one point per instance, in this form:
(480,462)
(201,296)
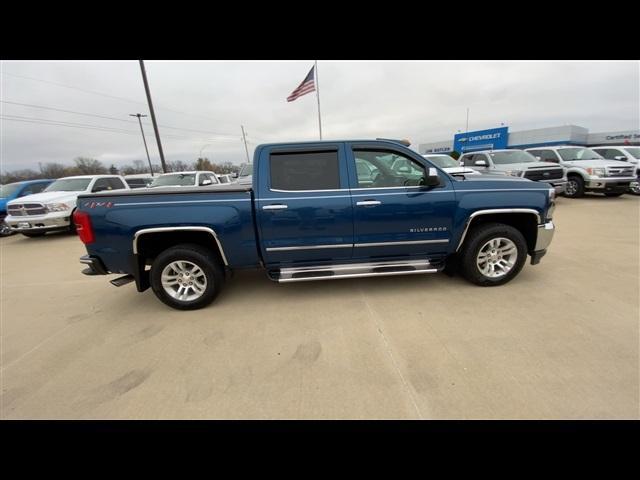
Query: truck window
(388,169)
(37,187)
(115,183)
(545,155)
(101,185)
(304,171)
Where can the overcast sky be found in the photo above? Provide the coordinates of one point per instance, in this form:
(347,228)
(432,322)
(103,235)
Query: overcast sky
(206,102)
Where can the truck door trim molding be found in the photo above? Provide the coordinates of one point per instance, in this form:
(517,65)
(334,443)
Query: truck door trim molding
(408,242)
(356,245)
(309,247)
(144,231)
(495,210)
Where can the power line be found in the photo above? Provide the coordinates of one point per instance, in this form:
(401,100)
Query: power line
(42,107)
(105,95)
(44,121)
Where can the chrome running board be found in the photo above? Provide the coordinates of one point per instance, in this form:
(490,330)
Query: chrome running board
(352,270)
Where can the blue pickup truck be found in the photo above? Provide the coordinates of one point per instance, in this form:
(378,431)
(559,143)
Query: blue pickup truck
(308,215)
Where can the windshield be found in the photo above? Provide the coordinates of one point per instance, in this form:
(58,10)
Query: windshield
(69,185)
(443,161)
(246,170)
(9,189)
(634,152)
(571,154)
(513,156)
(180,179)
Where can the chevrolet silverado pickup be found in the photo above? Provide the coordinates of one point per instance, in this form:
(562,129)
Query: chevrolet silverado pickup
(308,215)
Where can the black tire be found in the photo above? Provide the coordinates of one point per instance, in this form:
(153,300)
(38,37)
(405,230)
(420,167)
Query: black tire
(34,234)
(5,230)
(200,256)
(476,238)
(575,187)
(614,194)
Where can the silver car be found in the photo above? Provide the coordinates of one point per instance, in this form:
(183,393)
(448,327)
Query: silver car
(517,163)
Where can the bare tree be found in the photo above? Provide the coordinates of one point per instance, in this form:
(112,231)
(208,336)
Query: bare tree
(89,166)
(54,170)
(177,166)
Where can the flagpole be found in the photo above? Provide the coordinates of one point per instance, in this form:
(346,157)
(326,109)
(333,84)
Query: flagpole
(318,97)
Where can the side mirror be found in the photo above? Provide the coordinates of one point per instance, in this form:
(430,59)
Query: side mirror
(28,192)
(480,163)
(539,158)
(206,182)
(234,174)
(98,189)
(621,158)
(432,179)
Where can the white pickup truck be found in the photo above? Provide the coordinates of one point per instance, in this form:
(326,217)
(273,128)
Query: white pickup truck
(50,211)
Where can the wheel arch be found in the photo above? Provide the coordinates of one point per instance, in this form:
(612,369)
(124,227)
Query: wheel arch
(526,220)
(149,242)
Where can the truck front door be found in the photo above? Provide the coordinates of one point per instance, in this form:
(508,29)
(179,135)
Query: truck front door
(394,215)
(303,208)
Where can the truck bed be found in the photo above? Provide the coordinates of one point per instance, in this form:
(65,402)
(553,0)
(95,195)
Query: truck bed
(118,216)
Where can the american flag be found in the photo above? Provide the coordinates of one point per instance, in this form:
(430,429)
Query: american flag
(308,85)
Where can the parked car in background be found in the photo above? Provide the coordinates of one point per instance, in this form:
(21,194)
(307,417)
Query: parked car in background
(15,190)
(517,163)
(225,178)
(139,180)
(185,179)
(587,171)
(450,164)
(51,210)
(624,153)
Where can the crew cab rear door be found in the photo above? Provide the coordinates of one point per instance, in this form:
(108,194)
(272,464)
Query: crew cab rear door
(393,214)
(303,208)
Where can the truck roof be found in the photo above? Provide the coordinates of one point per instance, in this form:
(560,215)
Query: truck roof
(316,142)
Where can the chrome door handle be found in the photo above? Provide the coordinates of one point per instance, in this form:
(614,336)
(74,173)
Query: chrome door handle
(278,206)
(367,203)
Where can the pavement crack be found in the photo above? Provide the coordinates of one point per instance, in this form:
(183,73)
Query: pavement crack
(389,351)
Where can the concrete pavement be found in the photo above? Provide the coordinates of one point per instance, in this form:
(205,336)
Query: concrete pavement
(560,341)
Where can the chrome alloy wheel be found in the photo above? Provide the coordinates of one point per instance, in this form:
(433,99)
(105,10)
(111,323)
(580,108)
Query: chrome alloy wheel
(184,280)
(571,187)
(497,257)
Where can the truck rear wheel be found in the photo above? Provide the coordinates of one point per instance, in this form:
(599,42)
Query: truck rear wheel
(493,254)
(187,276)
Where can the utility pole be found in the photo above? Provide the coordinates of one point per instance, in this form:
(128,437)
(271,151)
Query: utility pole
(244,139)
(153,115)
(139,115)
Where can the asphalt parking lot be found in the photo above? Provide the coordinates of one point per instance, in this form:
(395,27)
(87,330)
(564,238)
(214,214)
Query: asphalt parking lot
(560,341)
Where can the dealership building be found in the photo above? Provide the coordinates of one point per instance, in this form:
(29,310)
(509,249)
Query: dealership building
(496,138)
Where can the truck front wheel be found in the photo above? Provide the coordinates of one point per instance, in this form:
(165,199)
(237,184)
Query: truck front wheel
(187,276)
(574,187)
(493,254)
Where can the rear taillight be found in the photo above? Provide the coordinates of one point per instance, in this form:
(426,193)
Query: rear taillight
(82,221)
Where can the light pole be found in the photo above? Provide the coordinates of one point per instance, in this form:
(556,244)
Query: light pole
(139,115)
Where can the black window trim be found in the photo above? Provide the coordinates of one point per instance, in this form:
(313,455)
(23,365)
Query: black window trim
(362,147)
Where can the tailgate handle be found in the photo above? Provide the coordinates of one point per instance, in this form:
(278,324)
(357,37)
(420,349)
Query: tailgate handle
(368,203)
(278,206)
